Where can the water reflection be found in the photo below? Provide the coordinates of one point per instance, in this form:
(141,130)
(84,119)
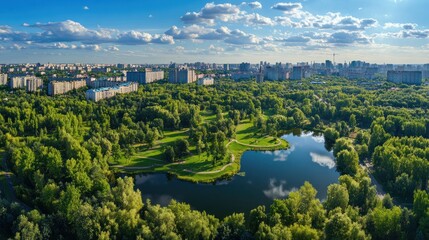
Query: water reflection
(322,160)
(265,176)
(162,200)
(318,139)
(281,155)
(141,179)
(275,191)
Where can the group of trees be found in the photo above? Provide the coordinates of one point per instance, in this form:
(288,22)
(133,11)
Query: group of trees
(403,165)
(352,211)
(60,149)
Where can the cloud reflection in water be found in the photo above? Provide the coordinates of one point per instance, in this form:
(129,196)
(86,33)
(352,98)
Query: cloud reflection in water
(324,161)
(276,191)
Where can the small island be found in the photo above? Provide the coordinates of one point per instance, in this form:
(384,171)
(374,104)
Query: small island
(200,165)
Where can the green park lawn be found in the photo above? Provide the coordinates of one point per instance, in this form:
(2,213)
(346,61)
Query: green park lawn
(200,168)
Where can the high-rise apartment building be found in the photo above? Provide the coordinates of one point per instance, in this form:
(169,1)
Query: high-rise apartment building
(183,75)
(407,77)
(62,87)
(30,83)
(148,76)
(3,79)
(34,84)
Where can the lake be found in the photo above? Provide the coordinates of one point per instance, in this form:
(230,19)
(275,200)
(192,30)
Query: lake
(268,175)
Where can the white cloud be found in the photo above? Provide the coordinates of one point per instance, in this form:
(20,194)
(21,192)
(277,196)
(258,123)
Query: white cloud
(210,12)
(257,20)
(113,48)
(92,47)
(287,7)
(236,36)
(344,38)
(239,37)
(406,26)
(85,8)
(71,31)
(252,5)
(16,47)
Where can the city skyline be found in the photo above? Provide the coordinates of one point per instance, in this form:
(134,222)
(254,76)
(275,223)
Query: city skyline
(385,31)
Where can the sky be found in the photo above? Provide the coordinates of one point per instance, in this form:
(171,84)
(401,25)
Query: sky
(163,31)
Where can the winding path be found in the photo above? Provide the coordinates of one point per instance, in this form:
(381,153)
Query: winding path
(255,146)
(203,172)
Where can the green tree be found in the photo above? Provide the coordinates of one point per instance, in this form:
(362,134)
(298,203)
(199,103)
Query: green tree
(331,135)
(348,162)
(339,226)
(338,196)
(169,154)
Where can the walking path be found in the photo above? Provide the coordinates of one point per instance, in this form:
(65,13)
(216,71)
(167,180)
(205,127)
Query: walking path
(368,168)
(256,146)
(8,175)
(203,172)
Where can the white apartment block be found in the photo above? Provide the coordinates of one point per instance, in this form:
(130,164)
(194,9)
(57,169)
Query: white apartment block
(3,79)
(30,83)
(206,81)
(61,87)
(104,93)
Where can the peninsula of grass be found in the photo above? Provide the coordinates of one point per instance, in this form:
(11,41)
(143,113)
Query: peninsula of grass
(200,168)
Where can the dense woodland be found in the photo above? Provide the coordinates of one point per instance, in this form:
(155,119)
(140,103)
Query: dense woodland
(60,150)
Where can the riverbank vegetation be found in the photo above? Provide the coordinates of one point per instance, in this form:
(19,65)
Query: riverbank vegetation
(64,153)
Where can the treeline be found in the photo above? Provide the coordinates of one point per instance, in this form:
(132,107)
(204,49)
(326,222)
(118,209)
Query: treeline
(60,149)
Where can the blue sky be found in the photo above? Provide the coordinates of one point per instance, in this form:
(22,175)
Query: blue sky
(143,31)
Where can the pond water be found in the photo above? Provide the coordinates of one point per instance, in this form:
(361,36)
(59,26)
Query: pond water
(268,175)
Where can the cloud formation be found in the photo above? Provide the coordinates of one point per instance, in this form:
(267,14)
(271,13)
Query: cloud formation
(287,7)
(236,36)
(253,5)
(236,26)
(71,31)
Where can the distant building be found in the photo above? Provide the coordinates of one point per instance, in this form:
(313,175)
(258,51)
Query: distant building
(241,76)
(34,84)
(101,70)
(297,73)
(183,75)
(329,64)
(226,67)
(102,83)
(3,79)
(276,73)
(104,93)
(260,75)
(206,81)
(18,82)
(407,77)
(30,83)
(148,76)
(62,87)
(244,67)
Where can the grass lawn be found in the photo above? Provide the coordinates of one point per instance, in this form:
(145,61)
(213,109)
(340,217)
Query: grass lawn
(201,168)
